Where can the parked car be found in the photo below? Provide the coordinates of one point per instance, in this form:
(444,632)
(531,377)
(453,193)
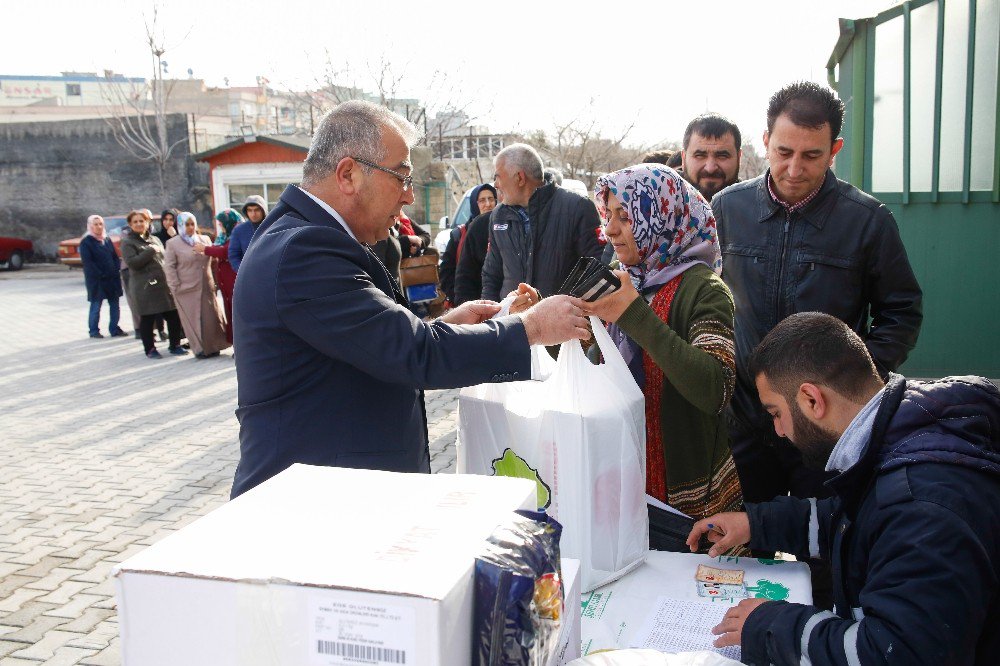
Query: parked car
(14,252)
(69,249)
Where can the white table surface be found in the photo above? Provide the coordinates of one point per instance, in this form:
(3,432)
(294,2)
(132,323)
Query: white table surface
(613,613)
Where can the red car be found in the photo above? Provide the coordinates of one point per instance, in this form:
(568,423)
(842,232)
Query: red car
(14,252)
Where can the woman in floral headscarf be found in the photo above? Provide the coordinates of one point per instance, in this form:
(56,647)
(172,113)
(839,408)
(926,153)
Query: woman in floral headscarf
(225,276)
(673,323)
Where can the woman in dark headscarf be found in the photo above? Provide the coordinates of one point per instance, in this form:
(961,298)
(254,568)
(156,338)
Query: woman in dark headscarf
(168,226)
(463,281)
(225,276)
(673,323)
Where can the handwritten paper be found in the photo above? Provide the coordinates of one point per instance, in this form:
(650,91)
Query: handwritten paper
(680,625)
(707,574)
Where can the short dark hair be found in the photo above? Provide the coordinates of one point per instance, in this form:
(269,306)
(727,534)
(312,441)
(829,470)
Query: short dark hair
(712,126)
(807,104)
(657,157)
(676,160)
(817,348)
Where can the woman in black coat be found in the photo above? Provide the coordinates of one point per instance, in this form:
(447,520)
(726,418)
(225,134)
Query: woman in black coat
(101,275)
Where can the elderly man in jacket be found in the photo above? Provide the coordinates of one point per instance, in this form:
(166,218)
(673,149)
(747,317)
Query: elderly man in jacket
(332,365)
(538,231)
(797,239)
(913,529)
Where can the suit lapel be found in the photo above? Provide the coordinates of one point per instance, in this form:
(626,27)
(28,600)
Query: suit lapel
(388,284)
(295,199)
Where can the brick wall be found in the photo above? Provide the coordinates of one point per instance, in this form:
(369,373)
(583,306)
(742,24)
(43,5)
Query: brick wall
(54,174)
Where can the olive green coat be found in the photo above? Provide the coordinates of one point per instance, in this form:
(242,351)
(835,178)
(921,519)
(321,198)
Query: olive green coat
(147,282)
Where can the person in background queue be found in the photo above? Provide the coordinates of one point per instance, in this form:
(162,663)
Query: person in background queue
(482,200)
(254,210)
(912,531)
(711,154)
(539,230)
(225,276)
(189,275)
(797,239)
(101,276)
(143,253)
(168,225)
(332,365)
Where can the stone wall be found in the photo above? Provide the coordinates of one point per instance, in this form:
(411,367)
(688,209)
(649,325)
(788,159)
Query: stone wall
(54,174)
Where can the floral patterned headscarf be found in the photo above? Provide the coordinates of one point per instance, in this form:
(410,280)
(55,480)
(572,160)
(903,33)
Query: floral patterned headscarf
(672,223)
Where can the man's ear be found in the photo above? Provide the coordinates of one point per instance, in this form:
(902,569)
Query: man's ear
(812,401)
(347,175)
(835,148)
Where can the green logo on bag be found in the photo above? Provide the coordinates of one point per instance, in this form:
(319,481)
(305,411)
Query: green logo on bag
(511,464)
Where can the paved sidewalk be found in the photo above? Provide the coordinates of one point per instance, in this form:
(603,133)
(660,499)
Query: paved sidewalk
(103,452)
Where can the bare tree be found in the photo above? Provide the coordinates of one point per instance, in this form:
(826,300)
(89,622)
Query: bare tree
(582,150)
(752,164)
(443,109)
(139,123)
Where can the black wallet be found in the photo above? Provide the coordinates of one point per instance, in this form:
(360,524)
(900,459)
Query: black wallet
(590,280)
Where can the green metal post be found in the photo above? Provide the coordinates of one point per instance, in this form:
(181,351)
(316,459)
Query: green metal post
(970,73)
(859,93)
(869,97)
(906,103)
(938,78)
(996,139)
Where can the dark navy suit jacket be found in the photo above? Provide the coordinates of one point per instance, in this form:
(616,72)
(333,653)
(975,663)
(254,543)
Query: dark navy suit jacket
(330,365)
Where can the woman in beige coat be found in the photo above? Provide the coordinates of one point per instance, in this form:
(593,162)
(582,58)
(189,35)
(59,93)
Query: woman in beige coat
(189,276)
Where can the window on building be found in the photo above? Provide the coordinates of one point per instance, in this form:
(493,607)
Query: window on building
(73,90)
(270,191)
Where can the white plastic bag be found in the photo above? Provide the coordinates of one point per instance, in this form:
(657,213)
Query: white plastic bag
(581,436)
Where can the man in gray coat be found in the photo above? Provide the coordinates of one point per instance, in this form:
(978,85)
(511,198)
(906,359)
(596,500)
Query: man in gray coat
(539,230)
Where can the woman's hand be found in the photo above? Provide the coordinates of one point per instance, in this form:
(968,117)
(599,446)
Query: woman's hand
(527,296)
(199,248)
(612,306)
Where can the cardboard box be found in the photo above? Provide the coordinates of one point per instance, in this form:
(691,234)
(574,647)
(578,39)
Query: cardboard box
(569,633)
(320,567)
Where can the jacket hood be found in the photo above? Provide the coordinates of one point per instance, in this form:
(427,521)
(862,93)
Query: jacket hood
(255,200)
(955,421)
(475,195)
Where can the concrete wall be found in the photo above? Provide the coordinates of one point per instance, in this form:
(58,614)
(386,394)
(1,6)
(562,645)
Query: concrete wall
(54,174)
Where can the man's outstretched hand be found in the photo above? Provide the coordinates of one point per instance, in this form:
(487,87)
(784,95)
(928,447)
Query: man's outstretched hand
(555,320)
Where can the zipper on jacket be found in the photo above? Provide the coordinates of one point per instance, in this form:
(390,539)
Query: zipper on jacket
(781,268)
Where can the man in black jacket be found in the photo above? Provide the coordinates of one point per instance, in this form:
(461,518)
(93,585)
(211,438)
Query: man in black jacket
(913,530)
(797,239)
(539,230)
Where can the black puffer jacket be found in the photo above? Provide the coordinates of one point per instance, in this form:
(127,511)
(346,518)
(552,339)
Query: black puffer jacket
(912,534)
(563,228)
(841,255)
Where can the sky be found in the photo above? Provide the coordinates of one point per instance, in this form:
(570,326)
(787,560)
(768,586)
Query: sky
(514,66)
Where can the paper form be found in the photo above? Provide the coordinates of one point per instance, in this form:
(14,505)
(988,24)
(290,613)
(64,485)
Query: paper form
(682,625)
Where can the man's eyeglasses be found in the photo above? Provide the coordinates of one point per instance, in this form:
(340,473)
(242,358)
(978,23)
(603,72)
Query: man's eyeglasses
(407,181)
